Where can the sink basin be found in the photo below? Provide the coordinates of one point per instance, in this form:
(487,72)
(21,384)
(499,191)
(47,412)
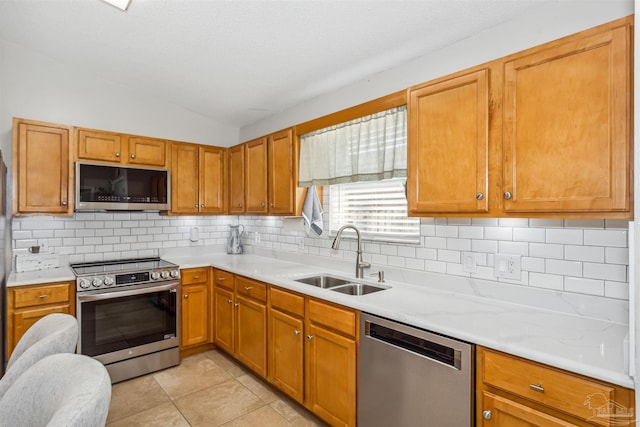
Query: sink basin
(357,289)
(323,281)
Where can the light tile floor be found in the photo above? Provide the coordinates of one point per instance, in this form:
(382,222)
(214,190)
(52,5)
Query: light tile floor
(206,389)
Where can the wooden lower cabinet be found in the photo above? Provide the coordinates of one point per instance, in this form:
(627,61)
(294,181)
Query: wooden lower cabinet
(195,311)
(251,334)
(514,392)
(28,304)
(223,312)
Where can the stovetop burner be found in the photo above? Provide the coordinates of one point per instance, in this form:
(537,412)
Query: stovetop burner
(125,272)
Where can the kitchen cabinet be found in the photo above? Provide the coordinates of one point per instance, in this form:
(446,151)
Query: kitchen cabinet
(545,132)
(241,320)
(447,144)
(331,364)
(120,148)
(267,183)
(236,179)
(512,391)
(195,308)
(198,184)
(286,342)
(566,129)
(42,169)
(28,304)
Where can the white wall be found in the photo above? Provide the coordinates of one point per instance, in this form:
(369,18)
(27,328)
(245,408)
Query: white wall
(34,86)
(550,21)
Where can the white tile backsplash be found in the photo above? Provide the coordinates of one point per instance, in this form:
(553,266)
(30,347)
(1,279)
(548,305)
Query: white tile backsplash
(587,257)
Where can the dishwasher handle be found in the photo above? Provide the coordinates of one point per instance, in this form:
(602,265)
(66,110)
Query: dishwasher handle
(418,345)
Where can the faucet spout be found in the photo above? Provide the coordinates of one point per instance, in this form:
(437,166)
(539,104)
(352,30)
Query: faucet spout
(360,265)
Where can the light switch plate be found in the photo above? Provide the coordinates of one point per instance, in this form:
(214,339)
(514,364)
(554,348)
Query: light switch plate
(507,266)
(469,262)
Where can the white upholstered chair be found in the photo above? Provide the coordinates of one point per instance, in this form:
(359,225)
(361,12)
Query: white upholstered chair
(54,333)
(64,389)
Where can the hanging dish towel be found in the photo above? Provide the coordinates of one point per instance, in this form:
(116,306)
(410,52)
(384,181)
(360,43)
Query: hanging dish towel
(312,211)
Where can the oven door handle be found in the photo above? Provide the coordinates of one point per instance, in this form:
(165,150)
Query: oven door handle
(118,294)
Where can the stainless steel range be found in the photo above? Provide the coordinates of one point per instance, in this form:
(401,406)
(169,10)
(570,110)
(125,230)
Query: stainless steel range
(129,314)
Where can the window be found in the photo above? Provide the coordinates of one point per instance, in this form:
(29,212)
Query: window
(377,208)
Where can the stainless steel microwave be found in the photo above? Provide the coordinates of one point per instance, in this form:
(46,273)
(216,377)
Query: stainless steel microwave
(121,188)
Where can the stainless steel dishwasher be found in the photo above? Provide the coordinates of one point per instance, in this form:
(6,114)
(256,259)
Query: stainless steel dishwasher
(409,377)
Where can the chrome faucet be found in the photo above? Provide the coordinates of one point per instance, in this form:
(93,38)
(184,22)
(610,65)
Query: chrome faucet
(360,266)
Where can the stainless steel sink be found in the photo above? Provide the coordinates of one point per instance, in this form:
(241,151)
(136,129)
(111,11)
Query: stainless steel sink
(358,289)
(323,281)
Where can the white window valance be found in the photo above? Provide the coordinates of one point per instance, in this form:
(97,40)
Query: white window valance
(370,148)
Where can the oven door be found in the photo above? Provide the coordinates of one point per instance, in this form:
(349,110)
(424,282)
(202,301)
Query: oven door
(121,324)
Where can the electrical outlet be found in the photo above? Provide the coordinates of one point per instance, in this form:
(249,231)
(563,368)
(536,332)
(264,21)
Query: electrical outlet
(469,263)
(507,266)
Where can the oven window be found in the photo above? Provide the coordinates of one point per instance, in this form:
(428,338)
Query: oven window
(124,322)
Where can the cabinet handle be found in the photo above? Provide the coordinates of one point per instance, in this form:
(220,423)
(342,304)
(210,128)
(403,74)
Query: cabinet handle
(186,296)
(309,337)
(537,387)
(479,196)
(196,277)
(221,279)
(133,156)
(296,332)
(248,288)
(507,195)
(486,414)
(64,203)
(43,296)
(117,154)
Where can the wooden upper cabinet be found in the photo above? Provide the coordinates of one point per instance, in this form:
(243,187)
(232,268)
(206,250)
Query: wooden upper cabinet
(566,125)
(236,179)
(282,187)
(213,183)
(42,169)
(120,148)
(256,176)
(448,125)
(184,178)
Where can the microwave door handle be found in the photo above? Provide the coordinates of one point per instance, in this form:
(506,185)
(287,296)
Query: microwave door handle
(118,294)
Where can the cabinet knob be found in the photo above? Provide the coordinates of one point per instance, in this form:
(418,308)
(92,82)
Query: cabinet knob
(486,414)
(309,337)
(133,156)
(195,206)
(507,195)
(64,203)
(271,204)
(296,332)
(186,296)
(228,301)
(117,154)
(239,205)
(236,305)
(202,205)
(262,204)
(479,196)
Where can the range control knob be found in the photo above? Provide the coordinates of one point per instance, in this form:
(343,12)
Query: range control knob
(155,275)
(164,274)
(97,282)
(175,273)
(84,283)
(108,281)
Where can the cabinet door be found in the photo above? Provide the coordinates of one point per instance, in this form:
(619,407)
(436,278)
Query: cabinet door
(286,353)
(566,128)
(147,151)
(224,319)
(331,376)
(195,315)
(23,319)
(184,178)
(236,179)
(256,176)
(497,411)
(251,334)
(97,145)
(41,168)
(213,196)
(448,145)
(281,173)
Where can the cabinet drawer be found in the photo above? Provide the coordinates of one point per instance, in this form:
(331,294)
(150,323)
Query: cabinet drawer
(251,288)
(286,301)
(548,386)
(340,319)
(41,295)
(223,278)
(195,275)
